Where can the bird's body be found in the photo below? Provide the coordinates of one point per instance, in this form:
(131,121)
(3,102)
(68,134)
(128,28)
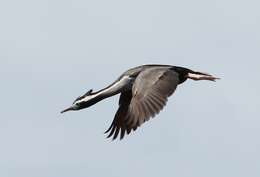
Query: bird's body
(144,92)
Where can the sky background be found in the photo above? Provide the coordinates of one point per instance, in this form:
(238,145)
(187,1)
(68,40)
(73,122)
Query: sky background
(52,51)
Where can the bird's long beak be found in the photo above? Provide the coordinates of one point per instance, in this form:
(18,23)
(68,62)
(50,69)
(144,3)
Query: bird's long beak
(66,110)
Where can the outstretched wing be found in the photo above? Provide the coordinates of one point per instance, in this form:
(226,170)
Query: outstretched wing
(149,95)
(119,123)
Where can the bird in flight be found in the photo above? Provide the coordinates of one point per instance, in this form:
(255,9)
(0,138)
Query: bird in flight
(144,92)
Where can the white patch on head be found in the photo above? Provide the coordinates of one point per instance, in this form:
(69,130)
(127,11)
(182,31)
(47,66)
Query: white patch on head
(87,98)
(115,88)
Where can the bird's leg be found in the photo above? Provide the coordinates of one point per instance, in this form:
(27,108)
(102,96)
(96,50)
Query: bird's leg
(201,76)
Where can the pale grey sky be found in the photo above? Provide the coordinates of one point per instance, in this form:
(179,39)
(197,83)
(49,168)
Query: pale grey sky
(53,51)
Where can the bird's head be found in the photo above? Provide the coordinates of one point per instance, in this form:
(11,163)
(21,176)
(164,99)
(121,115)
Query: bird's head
(81,102)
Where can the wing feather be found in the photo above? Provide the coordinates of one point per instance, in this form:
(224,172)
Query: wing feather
(147,98)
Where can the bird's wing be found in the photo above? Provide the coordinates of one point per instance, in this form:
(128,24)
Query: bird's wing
(149,95)
(119,123)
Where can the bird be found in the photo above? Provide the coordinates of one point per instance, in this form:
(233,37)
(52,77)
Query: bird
(144,91)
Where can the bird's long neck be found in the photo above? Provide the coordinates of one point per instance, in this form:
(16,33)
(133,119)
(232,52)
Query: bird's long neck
(118,86)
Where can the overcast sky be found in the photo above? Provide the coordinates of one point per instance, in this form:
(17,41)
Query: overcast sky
(52,51)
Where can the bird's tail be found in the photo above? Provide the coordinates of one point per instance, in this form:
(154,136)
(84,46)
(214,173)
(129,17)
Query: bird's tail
(194,75)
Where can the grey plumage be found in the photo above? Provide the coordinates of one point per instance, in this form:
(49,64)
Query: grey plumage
(144,93)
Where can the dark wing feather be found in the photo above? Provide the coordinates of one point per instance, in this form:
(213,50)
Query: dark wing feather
(150,92)
(119,124)
(149,95)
